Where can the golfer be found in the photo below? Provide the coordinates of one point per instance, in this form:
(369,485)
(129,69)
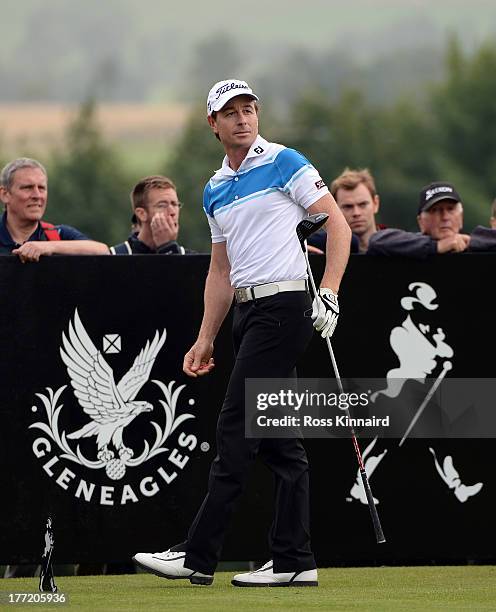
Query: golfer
(253,205)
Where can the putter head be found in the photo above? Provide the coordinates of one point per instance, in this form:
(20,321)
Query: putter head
(306,227)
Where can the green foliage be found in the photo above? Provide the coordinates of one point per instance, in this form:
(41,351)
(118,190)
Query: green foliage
(407,144)
(352,133)
(402,162)
(87,185)
(333,135)
(464,113)
(196,157)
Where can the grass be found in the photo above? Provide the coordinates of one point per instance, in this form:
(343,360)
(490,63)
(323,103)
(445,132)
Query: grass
(365,589)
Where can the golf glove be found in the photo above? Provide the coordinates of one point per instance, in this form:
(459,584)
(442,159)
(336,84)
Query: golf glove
(325,312)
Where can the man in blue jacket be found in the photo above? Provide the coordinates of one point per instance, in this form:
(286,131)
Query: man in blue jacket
(24,193)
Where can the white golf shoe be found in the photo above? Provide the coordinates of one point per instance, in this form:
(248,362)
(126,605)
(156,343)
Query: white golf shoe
(265,577)
(170,564)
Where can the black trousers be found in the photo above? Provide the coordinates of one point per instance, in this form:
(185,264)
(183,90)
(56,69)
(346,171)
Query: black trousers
(270,335)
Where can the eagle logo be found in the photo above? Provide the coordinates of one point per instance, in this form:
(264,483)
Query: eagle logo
(111,407)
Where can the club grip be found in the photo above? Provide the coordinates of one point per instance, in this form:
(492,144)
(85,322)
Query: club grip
(379,534)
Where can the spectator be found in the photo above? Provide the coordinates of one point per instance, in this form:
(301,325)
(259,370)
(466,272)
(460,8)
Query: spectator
(356,196)
(156,209)
(24,192)
(440,219)
(492,220)
(317,243)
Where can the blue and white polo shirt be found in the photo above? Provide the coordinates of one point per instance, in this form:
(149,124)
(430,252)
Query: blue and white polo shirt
(256,209)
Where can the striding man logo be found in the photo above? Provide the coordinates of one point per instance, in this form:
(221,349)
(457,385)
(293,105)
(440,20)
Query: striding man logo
(420,351)
(417,353)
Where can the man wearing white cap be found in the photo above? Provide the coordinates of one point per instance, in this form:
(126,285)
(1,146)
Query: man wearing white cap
(253,205)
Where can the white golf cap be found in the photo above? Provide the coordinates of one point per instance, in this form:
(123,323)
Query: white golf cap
(223,91)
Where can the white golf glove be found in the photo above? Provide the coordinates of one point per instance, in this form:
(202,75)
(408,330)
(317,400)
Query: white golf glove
(325,312)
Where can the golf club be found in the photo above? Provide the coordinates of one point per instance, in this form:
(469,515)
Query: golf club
(304,229)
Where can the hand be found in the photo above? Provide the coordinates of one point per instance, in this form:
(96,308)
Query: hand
(164,228)
(314,250)
(325,312)
(456,243)
(198,360)
(32,250)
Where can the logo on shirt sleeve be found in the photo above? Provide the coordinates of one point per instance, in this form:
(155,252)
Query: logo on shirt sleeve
(320,184)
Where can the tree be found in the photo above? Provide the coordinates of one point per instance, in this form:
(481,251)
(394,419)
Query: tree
(393,143)
(447,132)
(87,185)
(465,123)
(333,134)
(197,155)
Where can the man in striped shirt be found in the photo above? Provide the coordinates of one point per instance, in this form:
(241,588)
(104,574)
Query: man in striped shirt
(253,205)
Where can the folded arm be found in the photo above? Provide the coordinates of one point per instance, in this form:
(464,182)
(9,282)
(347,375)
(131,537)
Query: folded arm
(33,250)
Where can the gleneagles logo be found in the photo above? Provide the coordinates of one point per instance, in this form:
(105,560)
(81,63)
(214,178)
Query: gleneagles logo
(110,408)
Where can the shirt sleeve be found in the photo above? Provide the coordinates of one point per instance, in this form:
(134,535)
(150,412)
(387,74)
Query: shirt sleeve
(404,244)
(66,232)
(482,239)
(216,232)
(301,181)
(217,235)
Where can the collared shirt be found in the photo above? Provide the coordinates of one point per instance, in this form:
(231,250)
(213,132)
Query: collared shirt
(7,244)
(256,209)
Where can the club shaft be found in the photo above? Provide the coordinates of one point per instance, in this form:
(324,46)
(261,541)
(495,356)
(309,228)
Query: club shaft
(309,269)
(379,534)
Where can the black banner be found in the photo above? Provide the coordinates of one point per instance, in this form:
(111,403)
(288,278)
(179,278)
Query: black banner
(82,332)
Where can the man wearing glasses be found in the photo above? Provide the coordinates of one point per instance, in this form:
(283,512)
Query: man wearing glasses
(156,208)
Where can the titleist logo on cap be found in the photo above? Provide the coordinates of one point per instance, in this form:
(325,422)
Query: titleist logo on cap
(228,86)
(223,91)
(432,192)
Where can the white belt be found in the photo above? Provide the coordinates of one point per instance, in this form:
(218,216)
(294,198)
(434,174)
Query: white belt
(246,294)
